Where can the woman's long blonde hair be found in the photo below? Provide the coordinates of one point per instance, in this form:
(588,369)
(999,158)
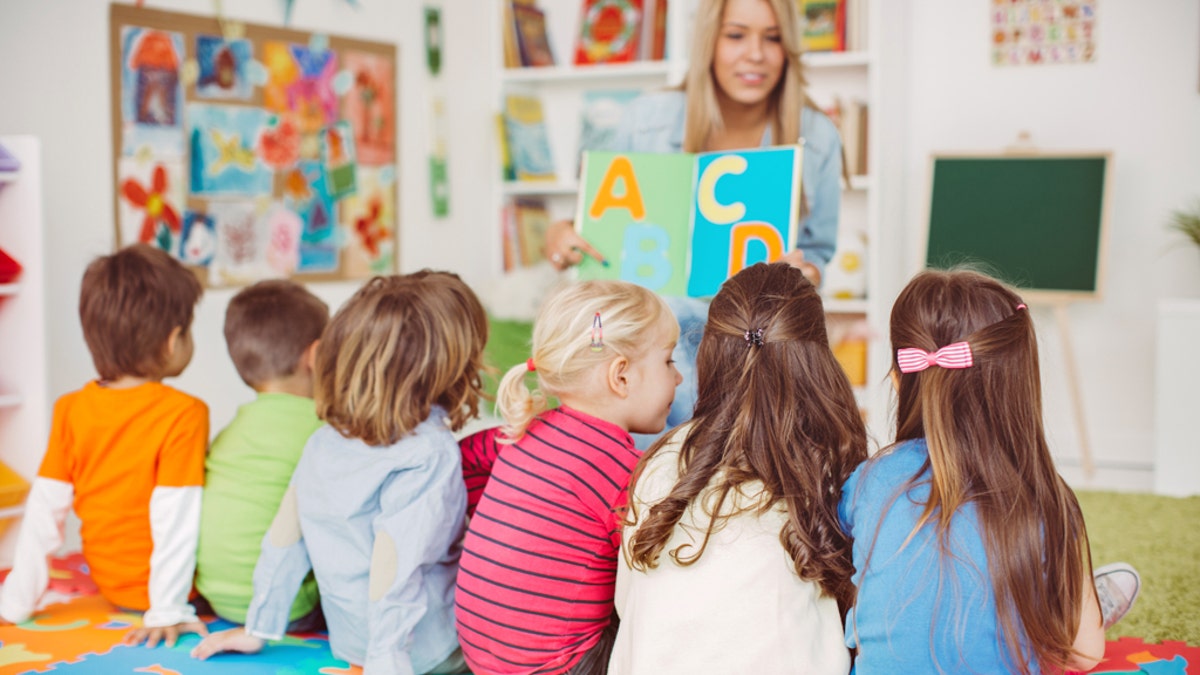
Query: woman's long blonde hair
(983,428)
(703,116)
(562,344)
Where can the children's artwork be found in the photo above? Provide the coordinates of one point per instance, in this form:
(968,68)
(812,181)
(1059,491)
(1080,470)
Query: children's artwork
(223,66)
(1031,32)
(263,152)
(151,96)
(681,224)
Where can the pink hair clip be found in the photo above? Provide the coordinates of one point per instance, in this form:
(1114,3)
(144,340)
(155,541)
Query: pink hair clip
(597,333)
(956,355)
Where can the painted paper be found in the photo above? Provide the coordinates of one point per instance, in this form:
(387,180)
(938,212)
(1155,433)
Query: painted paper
(307,196)
(151,92)
(369,107)
(223,68)
(224,158)
(337,152)
(1033,32)
(369,213)
(150,202)
(198,240)
(240,255)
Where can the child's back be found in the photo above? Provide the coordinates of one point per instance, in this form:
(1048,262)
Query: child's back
(126,451)
(271,329)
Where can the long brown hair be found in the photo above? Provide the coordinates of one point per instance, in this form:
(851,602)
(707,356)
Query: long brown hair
(401,345)
(983,427)
(781,413)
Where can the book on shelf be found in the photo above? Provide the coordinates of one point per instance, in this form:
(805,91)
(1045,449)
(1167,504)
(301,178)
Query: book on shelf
(600,117)
(680,223)
(654,31)
(532,220)
(609,31)
(529,24)
(512,54)
(507,172)
(824,25)
(853,126)
(528,141)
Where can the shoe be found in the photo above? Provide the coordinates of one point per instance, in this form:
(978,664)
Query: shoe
(1117,587)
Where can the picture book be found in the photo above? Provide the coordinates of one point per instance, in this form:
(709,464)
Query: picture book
(824,25)
(601,115)
(681,224)
(532,220)
(528,142)
(530,24)
(609,31)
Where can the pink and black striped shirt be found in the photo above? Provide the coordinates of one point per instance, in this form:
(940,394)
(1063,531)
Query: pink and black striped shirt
(535,583)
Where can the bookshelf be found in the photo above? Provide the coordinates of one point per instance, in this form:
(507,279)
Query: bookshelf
(845,76)
(24,409)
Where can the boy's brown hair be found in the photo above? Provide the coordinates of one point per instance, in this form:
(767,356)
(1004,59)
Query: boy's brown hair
(398,347)
(268,327)
(129,303)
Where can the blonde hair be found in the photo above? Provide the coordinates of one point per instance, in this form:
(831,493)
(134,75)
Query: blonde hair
(398,347)
(703,115)
(562,344)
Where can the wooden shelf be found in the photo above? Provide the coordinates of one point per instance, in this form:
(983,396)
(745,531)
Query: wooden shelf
(574,74)
(536,187)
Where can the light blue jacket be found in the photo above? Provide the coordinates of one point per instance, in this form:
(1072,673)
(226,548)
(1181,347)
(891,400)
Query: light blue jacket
(655,123)
(380,527)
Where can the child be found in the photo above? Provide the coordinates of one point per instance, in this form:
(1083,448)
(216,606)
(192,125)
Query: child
(376,505)
(126,451)
(272,329)
(732,560)
(970,550)
(535,586)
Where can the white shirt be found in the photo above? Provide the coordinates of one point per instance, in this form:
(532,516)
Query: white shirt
(740,608)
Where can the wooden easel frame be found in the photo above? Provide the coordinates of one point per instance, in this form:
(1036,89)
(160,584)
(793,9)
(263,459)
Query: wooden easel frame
(1059,301)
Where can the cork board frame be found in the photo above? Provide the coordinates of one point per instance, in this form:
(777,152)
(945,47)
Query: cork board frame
(251,151)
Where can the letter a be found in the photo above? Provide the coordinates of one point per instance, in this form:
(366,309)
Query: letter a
(607,198)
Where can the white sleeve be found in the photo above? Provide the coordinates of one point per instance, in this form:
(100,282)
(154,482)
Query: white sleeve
(41,534)
(175,528)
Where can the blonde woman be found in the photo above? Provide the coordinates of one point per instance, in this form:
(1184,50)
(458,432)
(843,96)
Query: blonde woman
(745,88)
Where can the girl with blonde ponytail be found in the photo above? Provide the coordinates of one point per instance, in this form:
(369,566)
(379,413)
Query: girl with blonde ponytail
(535,588)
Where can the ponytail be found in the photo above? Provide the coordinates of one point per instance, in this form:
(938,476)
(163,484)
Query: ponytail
(517,404)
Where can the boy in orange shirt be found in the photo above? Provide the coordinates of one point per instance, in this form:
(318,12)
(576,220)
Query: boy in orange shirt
(126,451)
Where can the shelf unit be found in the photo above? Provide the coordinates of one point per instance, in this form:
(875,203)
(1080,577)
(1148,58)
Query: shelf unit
(24,409)
(846,75)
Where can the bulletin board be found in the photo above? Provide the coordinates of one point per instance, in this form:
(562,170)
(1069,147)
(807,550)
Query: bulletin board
(252,151)
(1037,221)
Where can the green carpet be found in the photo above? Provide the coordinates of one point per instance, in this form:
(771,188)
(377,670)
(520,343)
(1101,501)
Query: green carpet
(1160,536)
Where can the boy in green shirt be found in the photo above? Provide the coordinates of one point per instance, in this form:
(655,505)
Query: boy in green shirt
(272,329)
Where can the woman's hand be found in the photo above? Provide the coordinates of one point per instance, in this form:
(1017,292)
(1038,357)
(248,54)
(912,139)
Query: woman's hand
(232,640)
(564,246)
(795,258)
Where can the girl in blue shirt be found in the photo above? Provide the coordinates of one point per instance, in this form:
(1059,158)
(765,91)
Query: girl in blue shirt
(744,88)
(970,551)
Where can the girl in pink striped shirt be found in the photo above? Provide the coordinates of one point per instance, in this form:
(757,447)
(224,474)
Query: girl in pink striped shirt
(535,586)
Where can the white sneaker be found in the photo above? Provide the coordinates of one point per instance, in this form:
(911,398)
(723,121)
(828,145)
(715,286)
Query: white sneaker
(1117,587)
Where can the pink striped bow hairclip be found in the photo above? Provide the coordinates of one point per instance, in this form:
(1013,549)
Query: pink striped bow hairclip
(955,355)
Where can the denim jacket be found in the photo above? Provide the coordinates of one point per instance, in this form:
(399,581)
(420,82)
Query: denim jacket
(655,123)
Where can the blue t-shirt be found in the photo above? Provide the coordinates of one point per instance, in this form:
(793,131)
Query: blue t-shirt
(916,611)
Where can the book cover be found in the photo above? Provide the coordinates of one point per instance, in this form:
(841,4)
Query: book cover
(600,117)
(681,224)
(824,25)
(530,25)
(532,221)
(609,31)
(528,142)
(512,55)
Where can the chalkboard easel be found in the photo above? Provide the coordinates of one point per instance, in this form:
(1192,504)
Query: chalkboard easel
(1035,220)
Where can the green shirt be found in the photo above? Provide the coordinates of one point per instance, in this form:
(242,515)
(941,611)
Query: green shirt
(247,471)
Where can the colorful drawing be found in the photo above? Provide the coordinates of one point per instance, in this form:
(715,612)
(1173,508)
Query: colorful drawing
(337,152)
(279,145)
(151,92)
(681,224)
(1031,32)
(283,228)
(369,107)
(300,81)
(223,158)
(198,243)
(240,255)
(151,200)
(223,67)
(369,214)
(319,239)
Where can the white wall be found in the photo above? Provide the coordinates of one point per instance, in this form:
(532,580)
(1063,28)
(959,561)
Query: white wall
(54,84)
(1140,100)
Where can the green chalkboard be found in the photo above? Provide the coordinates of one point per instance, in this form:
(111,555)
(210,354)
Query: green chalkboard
(1035,221)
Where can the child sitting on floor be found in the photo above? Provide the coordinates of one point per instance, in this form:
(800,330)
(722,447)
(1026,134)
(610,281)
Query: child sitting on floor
(126,451)
(535,588)
(272,330)
(377,502)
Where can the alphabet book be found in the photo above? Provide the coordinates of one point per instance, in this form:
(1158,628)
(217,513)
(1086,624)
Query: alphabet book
(680,223)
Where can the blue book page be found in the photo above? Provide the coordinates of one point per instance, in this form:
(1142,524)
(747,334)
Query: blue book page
(745,210)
